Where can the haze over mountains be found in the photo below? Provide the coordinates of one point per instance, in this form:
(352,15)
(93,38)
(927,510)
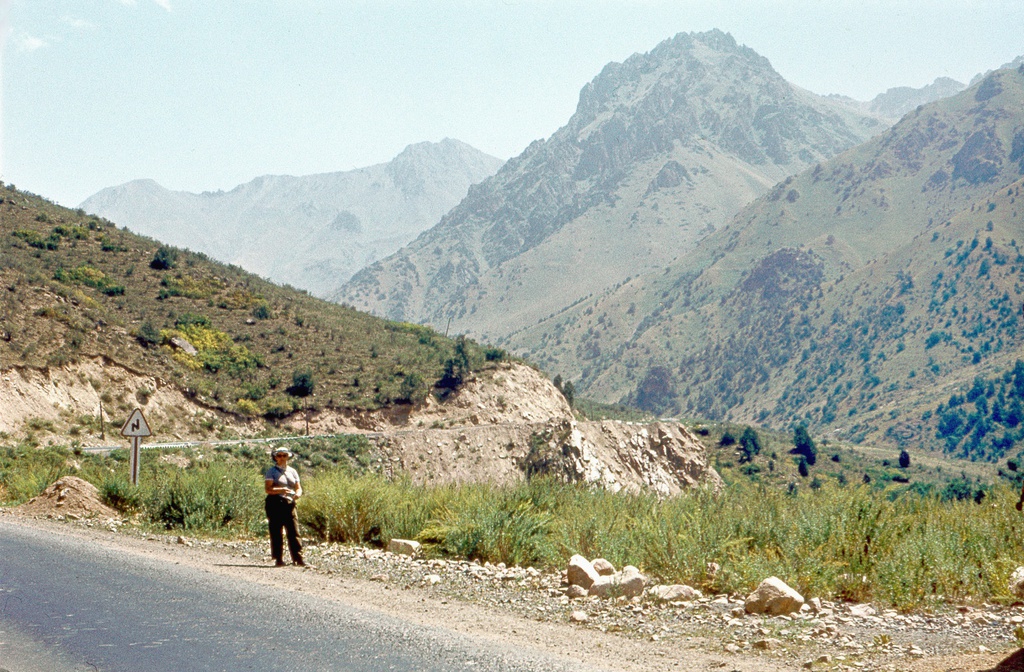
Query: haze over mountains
(314,231)
(663,149)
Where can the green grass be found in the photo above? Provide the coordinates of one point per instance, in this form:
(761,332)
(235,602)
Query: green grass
(892,546)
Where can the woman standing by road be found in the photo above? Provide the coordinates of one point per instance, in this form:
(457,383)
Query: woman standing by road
(283,489)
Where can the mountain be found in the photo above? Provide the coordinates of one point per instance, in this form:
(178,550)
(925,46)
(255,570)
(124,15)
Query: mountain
(896,102)
(662,150)
(312,232)
(857,296)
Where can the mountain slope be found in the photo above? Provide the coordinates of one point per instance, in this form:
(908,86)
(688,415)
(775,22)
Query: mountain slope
(81,295)
(663,149)
(312,232)
(853,296)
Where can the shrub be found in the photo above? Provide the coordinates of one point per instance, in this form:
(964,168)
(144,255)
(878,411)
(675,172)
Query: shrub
(803,445)
(302,384)
(164,258)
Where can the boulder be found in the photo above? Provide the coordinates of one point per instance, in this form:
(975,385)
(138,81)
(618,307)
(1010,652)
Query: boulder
(183,345)
(627,583)
(404,547)
(773,597)
(581,572)
(675,593)
(603,567)
(1016,583)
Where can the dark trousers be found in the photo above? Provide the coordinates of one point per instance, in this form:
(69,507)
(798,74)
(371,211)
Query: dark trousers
(281,514)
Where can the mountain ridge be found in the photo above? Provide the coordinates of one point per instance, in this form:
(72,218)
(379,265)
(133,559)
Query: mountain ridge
(664,146)
(308,231)
(728,328)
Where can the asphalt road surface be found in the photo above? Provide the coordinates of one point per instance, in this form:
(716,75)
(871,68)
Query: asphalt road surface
(67,605)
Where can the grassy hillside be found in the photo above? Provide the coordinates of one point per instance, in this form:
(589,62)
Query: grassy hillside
(77,286)
(855,297)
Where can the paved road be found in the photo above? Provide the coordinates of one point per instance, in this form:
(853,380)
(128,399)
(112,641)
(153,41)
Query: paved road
(65,605)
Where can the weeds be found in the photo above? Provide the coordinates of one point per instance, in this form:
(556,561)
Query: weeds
(839,542)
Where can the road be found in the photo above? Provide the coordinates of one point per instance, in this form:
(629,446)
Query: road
(68,603)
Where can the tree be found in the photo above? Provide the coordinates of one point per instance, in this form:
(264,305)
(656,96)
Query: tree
(801,466)
(567,389)
(904,459)
(302,384)
(457,367)
(750,444)
(657,391)
(164,258)
(411,390)
(803,444)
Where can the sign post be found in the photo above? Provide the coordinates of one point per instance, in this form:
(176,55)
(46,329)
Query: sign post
(135,428)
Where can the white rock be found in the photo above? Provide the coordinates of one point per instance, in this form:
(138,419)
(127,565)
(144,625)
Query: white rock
(404,547)
(628,583)
(581,572)
(675,593)
(603,567)
(579,617)
(1017,582)
(773,597)
(862,610)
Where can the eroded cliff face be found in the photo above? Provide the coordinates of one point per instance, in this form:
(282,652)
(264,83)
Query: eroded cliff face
(502,426)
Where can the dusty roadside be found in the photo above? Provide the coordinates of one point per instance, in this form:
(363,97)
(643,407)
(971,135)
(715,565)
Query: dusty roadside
(522,609)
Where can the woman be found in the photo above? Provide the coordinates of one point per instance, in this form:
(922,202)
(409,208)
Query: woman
(283,489)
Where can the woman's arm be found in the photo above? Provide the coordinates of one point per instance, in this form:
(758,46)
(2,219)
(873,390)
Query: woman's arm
(271,488)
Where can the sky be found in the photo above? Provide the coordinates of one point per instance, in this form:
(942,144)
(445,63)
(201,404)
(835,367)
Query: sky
(202,95)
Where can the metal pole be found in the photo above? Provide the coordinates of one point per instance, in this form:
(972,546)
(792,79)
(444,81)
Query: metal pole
(133,461)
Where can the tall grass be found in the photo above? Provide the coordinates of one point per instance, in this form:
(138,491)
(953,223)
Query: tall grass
(836,542)
(906,550)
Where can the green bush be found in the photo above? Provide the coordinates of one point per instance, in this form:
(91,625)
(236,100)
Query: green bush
(208,497)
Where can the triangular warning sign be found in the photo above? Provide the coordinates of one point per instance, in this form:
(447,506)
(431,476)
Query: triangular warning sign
(136,425)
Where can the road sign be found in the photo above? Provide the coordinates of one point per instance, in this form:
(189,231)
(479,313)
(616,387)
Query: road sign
(135,428)
(136,425)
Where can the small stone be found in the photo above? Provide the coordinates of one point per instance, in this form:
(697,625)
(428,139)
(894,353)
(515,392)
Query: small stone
(404,547)
(1016,583)
(732,648)
(579,617)
(603,567)
(862,610)
(433,579)
(675,593)
(575,592)
(767,644)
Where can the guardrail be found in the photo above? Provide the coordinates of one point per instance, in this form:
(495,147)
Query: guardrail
(227,442)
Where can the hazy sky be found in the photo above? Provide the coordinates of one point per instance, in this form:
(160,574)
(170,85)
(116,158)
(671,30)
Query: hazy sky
(207,94)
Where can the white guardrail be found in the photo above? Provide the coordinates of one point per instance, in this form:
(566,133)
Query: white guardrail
(229,442)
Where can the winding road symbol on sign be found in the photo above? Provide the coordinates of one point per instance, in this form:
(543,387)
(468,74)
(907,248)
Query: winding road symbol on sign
(136,425)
